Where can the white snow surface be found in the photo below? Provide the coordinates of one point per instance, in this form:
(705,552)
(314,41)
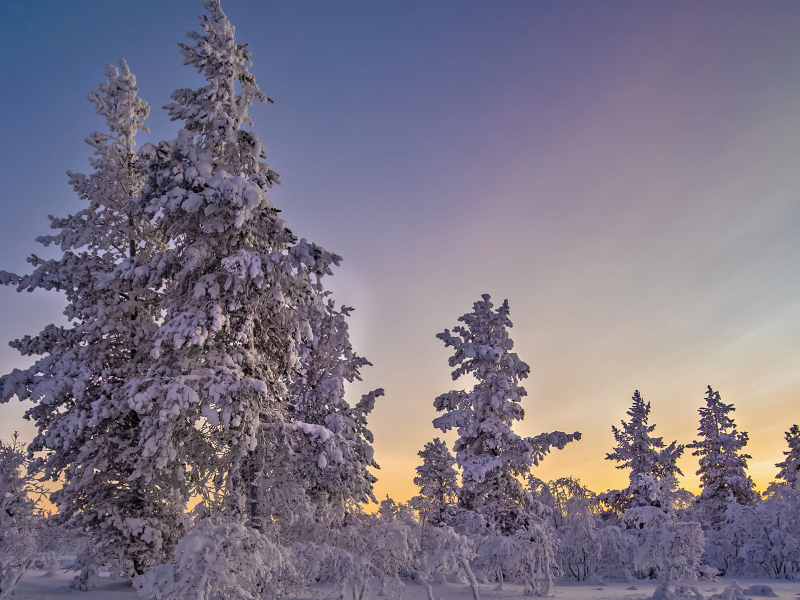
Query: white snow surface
(39,585)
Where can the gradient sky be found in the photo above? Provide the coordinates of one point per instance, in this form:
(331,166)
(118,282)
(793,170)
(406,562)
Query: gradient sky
(625,173)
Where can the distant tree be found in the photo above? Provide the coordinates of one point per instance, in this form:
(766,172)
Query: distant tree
(490,454)
(88,433)
(642,454)
(438,484)
(790,466)
(722,463)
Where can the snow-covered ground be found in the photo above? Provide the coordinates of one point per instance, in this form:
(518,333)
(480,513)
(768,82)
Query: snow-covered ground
(43,585)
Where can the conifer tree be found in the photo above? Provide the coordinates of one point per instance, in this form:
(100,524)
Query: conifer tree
(642,454)
(490,454)
(790,466)
(87,431)
(243,303)
(722,463)
(438,484)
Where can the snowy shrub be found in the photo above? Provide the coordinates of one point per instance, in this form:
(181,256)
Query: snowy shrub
(453,553)
(328,564)
(618,547)
(225,560)
(535,560)
(393,551)
(526,557)
(17,520)
(758,540)
(580,548)
(670,548)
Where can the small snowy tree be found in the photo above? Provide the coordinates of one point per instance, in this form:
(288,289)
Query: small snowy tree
(87,430)
(669,546)
(571,508)
(17,512)
(438,484)
(453,553)
(722,463)
(642,454)
(491,455)
(790,466)
(226,560)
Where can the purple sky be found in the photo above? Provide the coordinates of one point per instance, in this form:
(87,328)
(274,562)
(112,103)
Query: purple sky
(625,173)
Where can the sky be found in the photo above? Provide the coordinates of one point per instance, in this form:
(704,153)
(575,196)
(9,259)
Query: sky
(624,173)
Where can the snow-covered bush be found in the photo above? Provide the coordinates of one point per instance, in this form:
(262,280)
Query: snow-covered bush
(760,539)
(18,540)
(221,560)
(453,553)
(535,562)
(618,546)
(88,433)
(668,547)
(579,549)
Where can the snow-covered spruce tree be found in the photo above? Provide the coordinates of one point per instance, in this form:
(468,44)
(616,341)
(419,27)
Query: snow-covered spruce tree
(642,454)
(242,298)
(87,430)
(17,516)
(438,484)
(790,465)
(722,463)
(490,454)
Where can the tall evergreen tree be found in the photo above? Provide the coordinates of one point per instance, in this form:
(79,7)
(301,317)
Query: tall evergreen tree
(492,457)
(88,433)
(790,466)
(642,454)
(438,484)
(723,465)
(243,299)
